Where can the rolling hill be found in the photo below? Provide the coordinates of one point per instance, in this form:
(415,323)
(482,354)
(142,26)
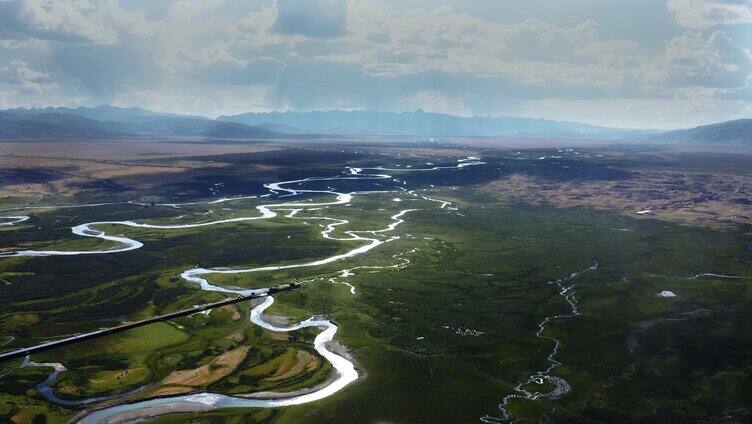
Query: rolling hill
(735,132)
(125,123)
(105,113)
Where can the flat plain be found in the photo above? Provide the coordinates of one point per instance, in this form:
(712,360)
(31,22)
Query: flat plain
(551,282)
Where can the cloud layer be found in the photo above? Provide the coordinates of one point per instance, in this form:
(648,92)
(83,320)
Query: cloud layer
(675,64)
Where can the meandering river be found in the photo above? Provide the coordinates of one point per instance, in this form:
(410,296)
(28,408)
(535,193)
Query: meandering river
(345,372)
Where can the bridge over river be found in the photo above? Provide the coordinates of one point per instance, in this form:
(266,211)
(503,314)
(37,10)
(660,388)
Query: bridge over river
(127,326)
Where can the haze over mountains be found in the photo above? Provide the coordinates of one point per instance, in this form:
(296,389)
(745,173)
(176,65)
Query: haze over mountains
(423,123)
(108,122)
(113,122)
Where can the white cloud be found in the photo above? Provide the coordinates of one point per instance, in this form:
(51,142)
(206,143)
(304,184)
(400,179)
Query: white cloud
(531,52)
(700,14)
(196,34)
(73,21)
(27,80)
(692,59)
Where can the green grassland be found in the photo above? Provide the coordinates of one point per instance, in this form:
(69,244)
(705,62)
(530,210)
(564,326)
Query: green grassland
(492,277)
(630,356)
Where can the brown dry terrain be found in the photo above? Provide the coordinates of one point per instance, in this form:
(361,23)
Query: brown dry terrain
(218,368)
(56,169)
(305,362)
(677,196)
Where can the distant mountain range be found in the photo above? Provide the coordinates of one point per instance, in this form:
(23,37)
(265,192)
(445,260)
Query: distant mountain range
(108,122)
(105,113)
(424,124)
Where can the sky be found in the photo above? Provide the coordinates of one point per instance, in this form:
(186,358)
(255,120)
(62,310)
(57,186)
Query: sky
(631,64)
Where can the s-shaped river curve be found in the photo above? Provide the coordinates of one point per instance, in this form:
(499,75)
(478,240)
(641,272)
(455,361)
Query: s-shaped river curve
(344,369)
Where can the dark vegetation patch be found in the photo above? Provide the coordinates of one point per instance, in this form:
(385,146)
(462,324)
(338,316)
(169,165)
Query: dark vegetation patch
(565,170)
(26,176)
(107,185)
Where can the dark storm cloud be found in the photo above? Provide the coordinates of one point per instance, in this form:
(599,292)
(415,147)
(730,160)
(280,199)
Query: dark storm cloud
(314,18)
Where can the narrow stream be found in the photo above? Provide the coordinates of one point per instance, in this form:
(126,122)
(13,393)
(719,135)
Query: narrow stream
(526,389)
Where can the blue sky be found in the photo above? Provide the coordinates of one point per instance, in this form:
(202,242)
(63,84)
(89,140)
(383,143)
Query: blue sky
(635,63)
